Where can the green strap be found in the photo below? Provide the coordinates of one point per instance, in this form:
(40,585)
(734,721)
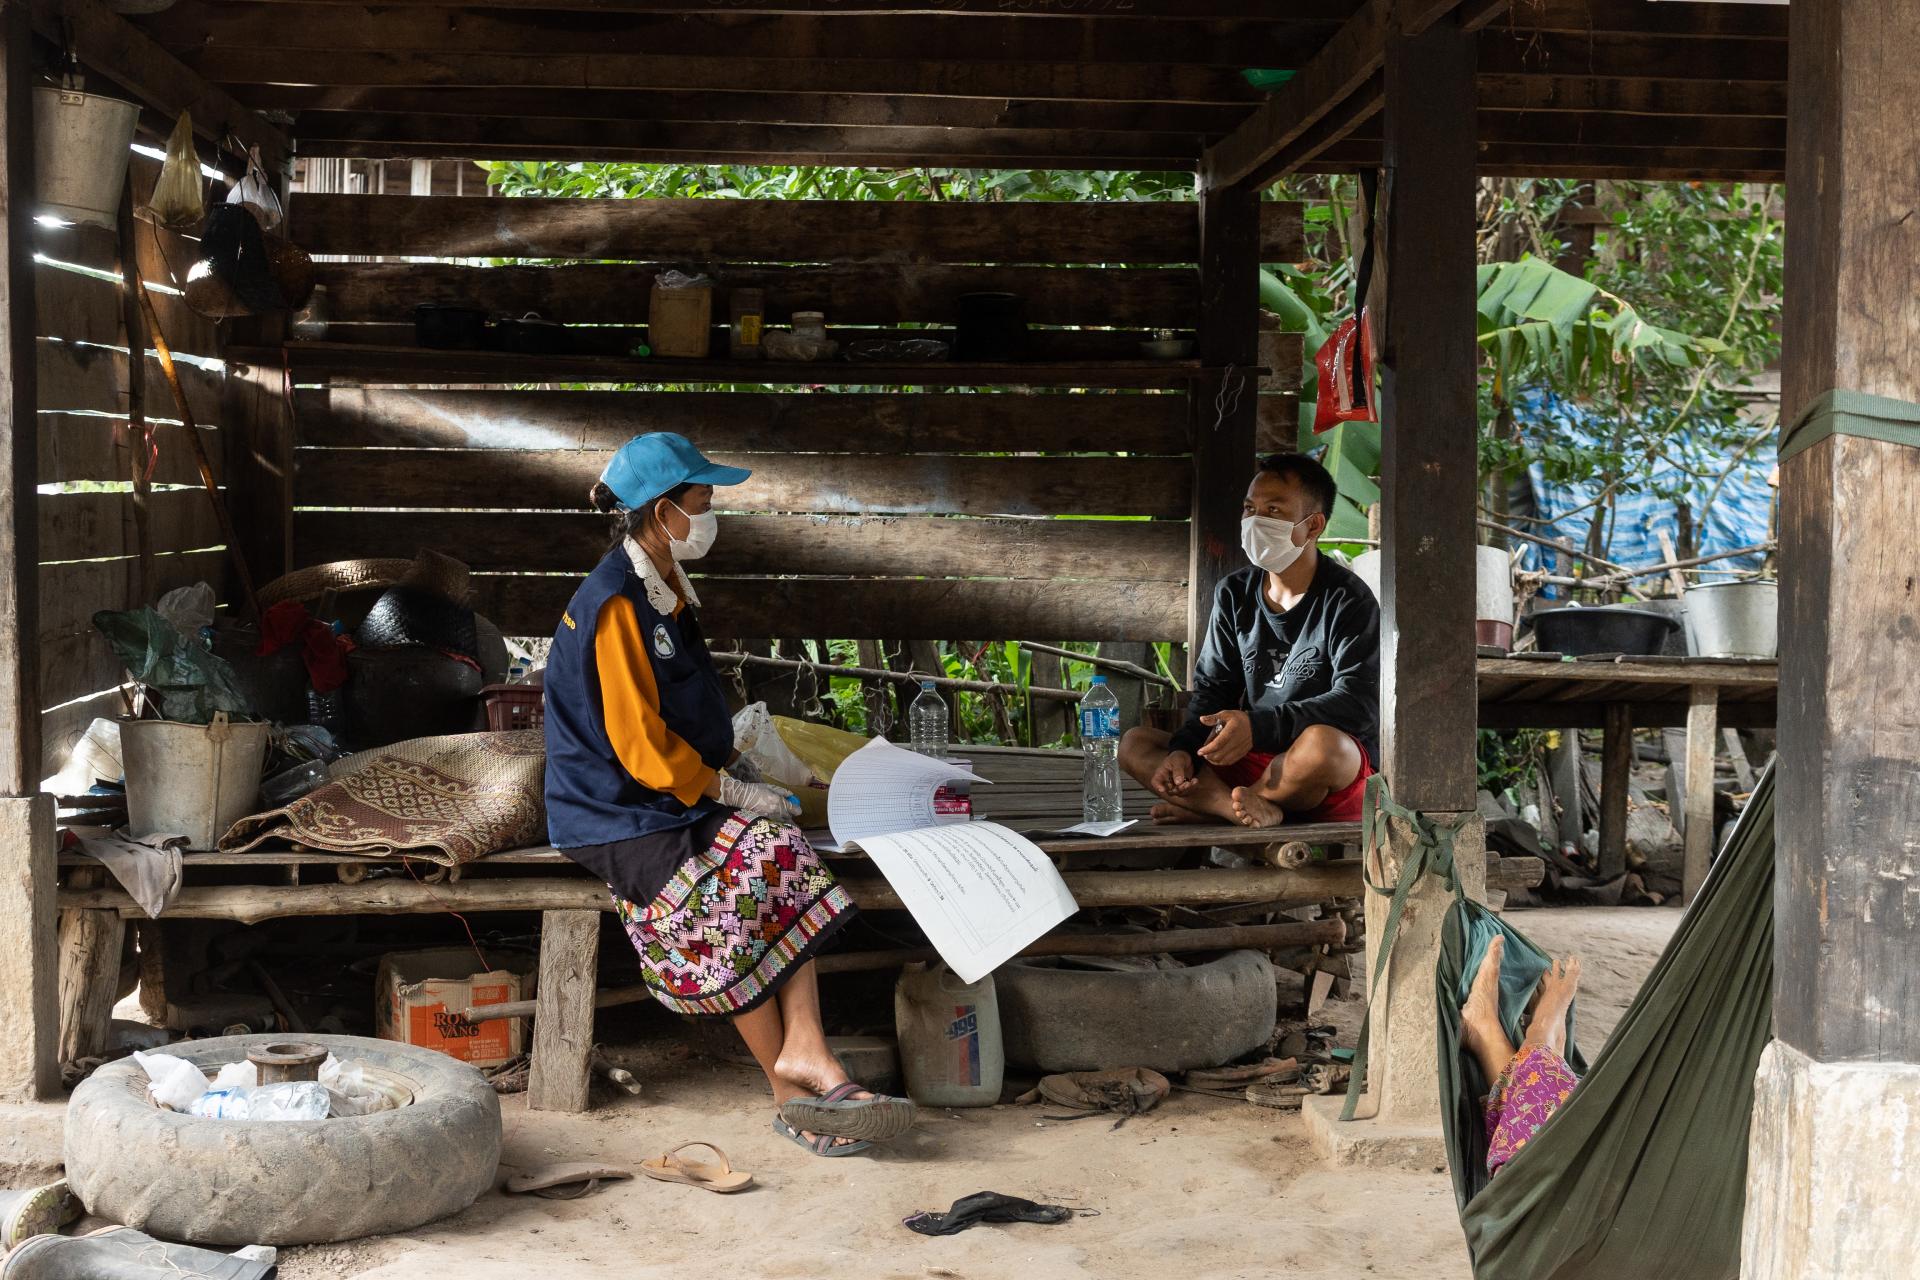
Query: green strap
(1432,855)
(1852,413)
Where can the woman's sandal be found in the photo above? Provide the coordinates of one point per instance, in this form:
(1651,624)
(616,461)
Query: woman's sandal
(837,1112)
(724,1179)
(825,1144)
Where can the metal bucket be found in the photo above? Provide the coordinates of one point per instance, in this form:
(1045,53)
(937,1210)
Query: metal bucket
(1734,620)
(81,145)
(195,780)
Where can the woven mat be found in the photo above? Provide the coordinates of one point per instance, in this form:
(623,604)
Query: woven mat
(449,800)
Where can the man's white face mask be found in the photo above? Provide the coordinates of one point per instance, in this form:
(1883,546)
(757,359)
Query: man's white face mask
(1268,542)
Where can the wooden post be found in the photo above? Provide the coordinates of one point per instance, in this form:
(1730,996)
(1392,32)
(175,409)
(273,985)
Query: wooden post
(1130,690)
(1429,710)
(563,1027)
(1048,721)
(1226,404)
(1616,767)
(1703,719)
(1831,1175)
(29,969)
(90,943)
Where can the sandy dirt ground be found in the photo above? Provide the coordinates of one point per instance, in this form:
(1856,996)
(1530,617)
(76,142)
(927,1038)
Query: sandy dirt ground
(1220,1189)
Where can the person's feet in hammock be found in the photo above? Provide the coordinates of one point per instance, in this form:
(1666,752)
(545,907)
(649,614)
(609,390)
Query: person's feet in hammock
(1533,1081)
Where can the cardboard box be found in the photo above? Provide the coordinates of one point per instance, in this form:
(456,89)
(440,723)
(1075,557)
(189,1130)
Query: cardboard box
(423,996)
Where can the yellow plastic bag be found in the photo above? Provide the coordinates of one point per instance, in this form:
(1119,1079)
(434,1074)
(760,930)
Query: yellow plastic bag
(178,202)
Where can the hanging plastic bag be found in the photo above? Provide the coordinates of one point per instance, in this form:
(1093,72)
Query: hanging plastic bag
(179,197)
(190,683)
(255,191)
(1345,362)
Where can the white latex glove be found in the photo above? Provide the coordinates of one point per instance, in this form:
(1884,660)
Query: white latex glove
(758,799)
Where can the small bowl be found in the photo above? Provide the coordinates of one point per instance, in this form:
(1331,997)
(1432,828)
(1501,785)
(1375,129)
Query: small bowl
(1167,348)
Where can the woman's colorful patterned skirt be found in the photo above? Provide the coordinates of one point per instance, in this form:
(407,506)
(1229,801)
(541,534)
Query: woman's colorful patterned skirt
(736,919)
(1534,1085)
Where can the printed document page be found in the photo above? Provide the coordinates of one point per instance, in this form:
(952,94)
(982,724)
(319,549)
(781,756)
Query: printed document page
(882,788)
(979,891)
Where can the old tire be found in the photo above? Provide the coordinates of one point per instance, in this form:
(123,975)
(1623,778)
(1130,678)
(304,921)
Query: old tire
(239,1182)
(1066,1019)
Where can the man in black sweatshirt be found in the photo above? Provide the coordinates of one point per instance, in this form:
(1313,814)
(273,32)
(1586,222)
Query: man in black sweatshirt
(1286,693)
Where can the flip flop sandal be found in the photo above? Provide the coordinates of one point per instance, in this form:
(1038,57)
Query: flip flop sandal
(824,1145)
(838,1113)
(565,1181)
(36,1212)
(724,1179)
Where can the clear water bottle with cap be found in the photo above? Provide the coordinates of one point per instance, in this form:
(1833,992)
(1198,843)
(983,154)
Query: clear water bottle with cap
(927,722)
(1100,749)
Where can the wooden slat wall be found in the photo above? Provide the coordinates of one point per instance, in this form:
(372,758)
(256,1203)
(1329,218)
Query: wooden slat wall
(91,529)
(872,514)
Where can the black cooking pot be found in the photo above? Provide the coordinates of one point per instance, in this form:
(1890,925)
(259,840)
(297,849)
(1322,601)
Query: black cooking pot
(445,327)
(1601,629)
(990,327)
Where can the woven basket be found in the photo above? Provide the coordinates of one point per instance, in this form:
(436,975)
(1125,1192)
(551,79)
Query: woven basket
(341,575)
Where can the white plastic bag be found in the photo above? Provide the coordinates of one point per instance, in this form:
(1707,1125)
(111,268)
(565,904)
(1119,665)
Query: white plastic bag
(349,1091)
(237,1075)
(255,191)
(758,741)
(173,1082)
(189,609)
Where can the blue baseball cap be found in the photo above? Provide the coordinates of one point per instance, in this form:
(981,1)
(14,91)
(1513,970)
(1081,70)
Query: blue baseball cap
(647,466)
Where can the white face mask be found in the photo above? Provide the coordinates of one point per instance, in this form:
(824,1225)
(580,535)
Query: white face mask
(1268,542)
(701,531)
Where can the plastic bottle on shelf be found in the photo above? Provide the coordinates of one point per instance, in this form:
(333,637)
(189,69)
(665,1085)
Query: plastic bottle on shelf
(1100,752)
(927,722)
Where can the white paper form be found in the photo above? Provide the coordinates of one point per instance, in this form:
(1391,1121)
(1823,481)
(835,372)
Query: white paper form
(977,890)
(881,789)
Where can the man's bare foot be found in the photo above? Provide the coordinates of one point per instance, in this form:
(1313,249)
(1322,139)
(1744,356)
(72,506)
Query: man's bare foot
(1254,810)
(1167,814)
(1480,1015)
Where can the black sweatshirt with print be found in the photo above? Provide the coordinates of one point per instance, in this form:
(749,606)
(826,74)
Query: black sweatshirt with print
(1317,663)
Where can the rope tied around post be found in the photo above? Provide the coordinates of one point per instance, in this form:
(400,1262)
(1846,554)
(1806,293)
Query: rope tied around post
(1433,854)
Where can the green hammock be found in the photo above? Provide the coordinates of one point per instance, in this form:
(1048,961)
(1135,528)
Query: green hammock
(1642,1173)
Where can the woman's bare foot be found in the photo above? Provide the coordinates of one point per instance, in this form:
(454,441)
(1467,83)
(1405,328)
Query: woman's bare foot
(1555,998)
(1255,810)
(799,1077)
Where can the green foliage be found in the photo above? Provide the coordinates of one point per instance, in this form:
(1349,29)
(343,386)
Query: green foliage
(813,182)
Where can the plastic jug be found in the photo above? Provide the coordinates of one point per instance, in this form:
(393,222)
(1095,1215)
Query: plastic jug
(949,1032)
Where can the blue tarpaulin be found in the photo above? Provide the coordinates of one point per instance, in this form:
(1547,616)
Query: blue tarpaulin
(1738,518)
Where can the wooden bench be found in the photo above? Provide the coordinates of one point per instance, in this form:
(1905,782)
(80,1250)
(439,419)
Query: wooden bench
(299,882)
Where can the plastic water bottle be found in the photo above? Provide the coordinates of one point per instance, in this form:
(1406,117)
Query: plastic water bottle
(288,1100)
(1100,749)
(927,722)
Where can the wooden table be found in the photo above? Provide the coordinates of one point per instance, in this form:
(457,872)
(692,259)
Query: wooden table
(1618,694)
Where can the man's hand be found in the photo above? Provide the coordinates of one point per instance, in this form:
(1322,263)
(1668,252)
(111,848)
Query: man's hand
(1232,738)
(1174,777)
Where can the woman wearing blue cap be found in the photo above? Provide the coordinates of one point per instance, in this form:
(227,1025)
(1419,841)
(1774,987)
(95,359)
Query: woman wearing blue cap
(723,898)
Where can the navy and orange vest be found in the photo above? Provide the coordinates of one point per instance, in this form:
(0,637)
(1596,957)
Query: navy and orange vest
(591,798)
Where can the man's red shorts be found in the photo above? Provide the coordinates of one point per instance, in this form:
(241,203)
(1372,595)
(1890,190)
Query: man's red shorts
(1343,805)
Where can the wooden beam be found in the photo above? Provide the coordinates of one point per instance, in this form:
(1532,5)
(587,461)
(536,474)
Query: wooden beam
(1101,10)
(19,411)
(766,422)
(131,58)
(1057,81)
(1593,715)
(1226,407)
(563,1023)
(1847,941)
(1702,730)
(29,972)
(1346,63)
(355,133)
(865,232)
(1633,96)
(195,25)
(845,109)
(1506,50)
(1616,772)
(1427,366)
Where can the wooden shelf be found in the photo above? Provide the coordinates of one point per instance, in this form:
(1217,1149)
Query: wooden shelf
(356,362)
